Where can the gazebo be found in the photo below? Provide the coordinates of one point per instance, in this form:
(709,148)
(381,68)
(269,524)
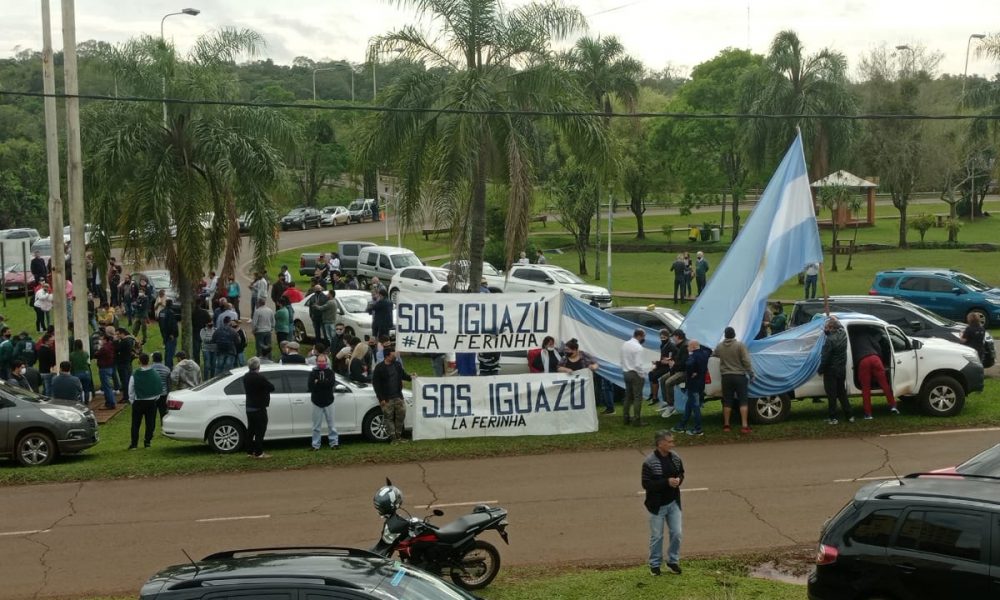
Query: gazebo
(843,215)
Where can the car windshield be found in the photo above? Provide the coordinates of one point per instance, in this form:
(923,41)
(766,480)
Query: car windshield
(971,283)
(354,304)
(984,463)
(356,205)
(440,275)
(208,382)
(408,259)
(159,281)
(296,211)
(564,276)
(399,581)
(331,209)
(15,268)
(934,318)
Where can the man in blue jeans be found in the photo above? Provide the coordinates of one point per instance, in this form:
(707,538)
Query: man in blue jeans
(662,476)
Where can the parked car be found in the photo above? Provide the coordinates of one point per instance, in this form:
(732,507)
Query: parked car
(43,246)
(352,311)
(363,210)
(946,292)
(313,573)
(15,278)
(348,252)
(653,317)
(917,537)
(15,244)
(419,279)
(35,430)
(384,262)
(939,374)
(88,229)
(494,278)
(335,215)
(916,321)
(538,278)
(984,464)
(20,233)
(215,411)
(300,218)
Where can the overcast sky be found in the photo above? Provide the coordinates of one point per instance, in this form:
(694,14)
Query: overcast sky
(658,32)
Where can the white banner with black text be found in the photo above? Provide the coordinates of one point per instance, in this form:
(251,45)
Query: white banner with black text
(504,405)
(442,323)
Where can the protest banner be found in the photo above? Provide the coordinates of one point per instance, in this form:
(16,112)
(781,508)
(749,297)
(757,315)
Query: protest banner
(504,405)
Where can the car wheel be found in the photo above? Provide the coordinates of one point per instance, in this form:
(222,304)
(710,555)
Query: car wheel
(394,295)
(770,409)
(302,227)
(300,332)
(226,436)
(984,317)
(373,426)
(35,449)
(942,396)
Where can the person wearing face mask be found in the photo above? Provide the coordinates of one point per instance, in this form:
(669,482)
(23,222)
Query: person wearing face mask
(17,378)
(833,368)
(547,361)
(321,383)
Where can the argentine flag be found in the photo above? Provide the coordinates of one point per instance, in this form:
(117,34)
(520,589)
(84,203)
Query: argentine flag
(779,239)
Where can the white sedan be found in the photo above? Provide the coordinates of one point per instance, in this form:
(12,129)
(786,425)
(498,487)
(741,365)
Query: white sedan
(495,280)
(352,311)
(215,411)
(418,279)
(334,215)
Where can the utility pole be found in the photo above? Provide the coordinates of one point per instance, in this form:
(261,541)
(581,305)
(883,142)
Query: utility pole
(74,176)
(55,199)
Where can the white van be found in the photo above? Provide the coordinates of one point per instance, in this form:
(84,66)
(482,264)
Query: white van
(363,209)
(16,245)
(384,262)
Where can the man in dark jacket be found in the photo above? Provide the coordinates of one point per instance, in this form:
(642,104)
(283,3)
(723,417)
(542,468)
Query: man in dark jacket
(65,386)
(322,380)
(680,267)
(39,268)
(676,374)
(169,331)
(225,340)
(258,391)
(662,366)
(381,312)
(200,317)
(695,369)
(662,476)
(387,379)
(833,368)
(124,355)
(871,347)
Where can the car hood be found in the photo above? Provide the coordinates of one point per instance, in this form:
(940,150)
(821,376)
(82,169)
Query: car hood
(593,290)
(932,345)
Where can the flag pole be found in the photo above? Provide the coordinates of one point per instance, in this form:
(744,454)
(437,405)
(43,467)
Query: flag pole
(826,296)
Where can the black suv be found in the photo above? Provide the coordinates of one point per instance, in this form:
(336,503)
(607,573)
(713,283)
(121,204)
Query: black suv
(915,320)
(924,536)
(301,218)
(323,573)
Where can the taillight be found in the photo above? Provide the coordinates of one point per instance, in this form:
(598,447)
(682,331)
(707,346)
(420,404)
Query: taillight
(708,378)
(174,404)
(302,261)
(826,555)
(872,292)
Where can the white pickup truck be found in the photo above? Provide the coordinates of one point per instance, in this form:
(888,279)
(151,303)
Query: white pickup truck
(936,373)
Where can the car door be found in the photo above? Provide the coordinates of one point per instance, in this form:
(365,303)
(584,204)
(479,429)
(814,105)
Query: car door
(409,279)
(995,560)
(943,553)
(384,268)
(916,289)
(904,363)
(6,444)
(279,413)
(528,279)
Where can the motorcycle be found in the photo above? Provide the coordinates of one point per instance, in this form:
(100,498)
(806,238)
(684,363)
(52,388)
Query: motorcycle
(447,550)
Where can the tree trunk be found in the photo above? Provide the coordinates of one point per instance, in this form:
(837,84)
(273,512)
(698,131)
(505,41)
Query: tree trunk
(582,243)
(722,216)
(901,207)
(477,220)
(232,251)
(737,197)
(637,208)
(186,292)
(854,244)
(833,254)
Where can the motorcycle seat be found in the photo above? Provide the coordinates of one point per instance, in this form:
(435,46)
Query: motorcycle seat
(463,526)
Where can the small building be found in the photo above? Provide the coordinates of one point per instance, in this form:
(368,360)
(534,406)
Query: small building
(844,216)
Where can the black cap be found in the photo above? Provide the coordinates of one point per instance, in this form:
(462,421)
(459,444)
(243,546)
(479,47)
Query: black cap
(730,333)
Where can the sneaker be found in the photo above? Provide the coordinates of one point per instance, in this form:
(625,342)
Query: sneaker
(894,410)
(263,456)
(654,571)
(674,568)
(726,429)
(668,411)
(868,417)
(695,432)
(608,411)
(850,419)
(651,400)
(131,447)
(745,430)
(677,429)
(832,421)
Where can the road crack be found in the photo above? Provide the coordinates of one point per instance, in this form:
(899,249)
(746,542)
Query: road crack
(759,517)
(43,559)
(427,484)
(885,460)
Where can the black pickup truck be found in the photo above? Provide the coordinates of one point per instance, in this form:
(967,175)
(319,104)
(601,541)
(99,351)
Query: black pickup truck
(348,258)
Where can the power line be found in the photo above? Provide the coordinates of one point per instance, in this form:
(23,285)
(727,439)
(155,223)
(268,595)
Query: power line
(527,113)
(613,9)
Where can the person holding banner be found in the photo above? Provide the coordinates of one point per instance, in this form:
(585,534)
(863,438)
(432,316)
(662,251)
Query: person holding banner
(635,369)
(387,380)
(548,358)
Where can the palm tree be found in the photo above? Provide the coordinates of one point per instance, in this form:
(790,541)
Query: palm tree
(795,84)
(488,64)
(152,178)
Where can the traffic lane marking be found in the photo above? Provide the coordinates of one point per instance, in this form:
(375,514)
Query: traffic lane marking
(453,504)
(702,489)
(940,432)
(853,479)
(241,518)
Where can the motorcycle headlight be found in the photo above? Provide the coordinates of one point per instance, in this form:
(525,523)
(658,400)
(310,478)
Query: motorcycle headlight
(65,415)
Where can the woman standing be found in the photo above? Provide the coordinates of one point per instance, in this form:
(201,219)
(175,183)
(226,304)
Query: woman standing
(43,306)
(548,360)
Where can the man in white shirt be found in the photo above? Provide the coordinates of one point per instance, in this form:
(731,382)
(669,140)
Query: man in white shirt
(334,262)
(634,367)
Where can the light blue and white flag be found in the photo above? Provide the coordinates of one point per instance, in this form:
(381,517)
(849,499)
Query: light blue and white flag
(779,239)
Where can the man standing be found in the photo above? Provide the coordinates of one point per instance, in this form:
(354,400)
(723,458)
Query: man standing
(387,379)
(635,368)
(258,292)
(870,349)
(105,356)
(662,476)
(263,323)
(225,340)
(169,331)
(164,372)
(736,371)
(812,276)
(258,390)
(186,373)
(124,355)
(322,380)
(833,368)
(694,376)
(701,267)
(207,337)
(679,267)
(315,303)
(328,316)
(65,386)
(144,388)
(39,269)
(381,315)
(540,257)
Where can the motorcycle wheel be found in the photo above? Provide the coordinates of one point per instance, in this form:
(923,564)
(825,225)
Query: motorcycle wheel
(477,567)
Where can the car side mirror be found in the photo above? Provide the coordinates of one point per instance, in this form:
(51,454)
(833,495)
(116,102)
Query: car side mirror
(916,344)
(549,280)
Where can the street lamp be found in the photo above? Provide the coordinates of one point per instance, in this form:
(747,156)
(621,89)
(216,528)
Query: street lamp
(334,68)
(191,12)
(968,46)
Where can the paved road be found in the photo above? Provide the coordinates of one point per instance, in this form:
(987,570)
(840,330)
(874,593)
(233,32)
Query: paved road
(107,537)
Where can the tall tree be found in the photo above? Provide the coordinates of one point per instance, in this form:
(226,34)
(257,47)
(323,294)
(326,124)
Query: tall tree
(148,176)
(319,156)
(488,62)
(794,83)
